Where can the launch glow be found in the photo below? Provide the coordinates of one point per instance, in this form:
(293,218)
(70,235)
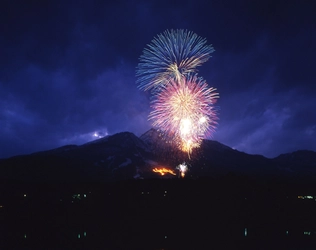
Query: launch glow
(183,168)
(164,171)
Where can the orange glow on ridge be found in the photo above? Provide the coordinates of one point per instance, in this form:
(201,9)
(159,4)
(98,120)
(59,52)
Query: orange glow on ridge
(164,171)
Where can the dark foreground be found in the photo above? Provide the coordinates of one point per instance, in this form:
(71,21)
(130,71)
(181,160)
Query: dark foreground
(227,213)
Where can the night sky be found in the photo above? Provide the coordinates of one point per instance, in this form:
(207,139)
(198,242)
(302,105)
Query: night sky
(67,70)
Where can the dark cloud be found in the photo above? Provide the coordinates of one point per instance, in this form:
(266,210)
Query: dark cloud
(67,70)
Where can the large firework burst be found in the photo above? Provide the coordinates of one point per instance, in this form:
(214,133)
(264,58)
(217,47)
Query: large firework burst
(171,55)
(183,104)
(184,111)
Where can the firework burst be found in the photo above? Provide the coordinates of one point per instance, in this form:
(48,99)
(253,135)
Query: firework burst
(183,104)
(171,55)
(184,110)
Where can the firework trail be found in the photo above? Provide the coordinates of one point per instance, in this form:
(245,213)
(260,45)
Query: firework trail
(171,55)
(185,110)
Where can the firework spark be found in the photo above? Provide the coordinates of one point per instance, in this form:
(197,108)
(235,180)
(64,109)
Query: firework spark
(164,171)
(183,168)
(185,111)
(171,55)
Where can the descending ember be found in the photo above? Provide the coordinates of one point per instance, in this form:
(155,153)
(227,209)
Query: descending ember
(164,171)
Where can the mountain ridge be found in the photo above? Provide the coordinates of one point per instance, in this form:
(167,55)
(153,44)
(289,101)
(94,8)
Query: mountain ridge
(126,156)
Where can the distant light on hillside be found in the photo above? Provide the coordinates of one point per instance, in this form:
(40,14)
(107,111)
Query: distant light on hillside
(100,134)
(164,171)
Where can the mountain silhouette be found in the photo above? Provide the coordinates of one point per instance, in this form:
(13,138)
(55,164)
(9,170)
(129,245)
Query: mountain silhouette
(125,156)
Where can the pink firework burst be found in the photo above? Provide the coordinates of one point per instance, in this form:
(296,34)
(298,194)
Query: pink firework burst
(184,111)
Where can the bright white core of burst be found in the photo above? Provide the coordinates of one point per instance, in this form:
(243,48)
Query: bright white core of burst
(202,119)
(182,167)
(185,126)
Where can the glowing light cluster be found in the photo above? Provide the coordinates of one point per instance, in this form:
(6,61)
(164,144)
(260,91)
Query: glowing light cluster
(183,103)
(164,171)
(183,168)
